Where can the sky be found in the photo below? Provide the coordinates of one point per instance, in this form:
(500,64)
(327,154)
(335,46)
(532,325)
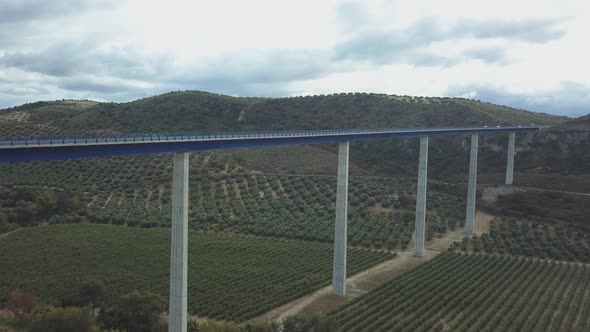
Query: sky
(530,54)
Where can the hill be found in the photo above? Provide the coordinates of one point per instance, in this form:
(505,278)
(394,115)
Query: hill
(192,111)
(581,123)
(195,111)
(239,209)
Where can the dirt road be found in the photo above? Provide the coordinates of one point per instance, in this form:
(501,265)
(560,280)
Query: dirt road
(322,300)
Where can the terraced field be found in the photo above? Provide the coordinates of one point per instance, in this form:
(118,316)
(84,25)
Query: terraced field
(227,197)
(459,292)
(230,277)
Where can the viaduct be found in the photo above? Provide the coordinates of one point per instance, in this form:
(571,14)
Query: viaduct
(76,147)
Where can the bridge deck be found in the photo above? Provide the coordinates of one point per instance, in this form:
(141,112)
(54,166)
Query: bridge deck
(26,149)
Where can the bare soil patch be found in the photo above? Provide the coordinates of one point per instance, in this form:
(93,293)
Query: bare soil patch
(160,194)
(12,232)
(378,209)
(148,200)
(281,189)
(107,200)
(482,222)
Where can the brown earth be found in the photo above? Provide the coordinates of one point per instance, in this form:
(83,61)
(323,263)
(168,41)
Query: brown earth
(482,222)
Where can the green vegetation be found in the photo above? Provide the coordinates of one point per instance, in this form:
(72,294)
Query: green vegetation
(225,197)
(459,292)
(71,319)
(574,183)
(52,319)
(530,239)
(547,207)
(230,277)
(581,123)
(236,275)
(194,111)
(27,206)
(134,312)
(202,111)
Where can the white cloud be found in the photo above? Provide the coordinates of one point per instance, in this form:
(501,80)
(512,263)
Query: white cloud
(122,50)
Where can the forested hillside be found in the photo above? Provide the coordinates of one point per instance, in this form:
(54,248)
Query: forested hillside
(201,111)
(194,111)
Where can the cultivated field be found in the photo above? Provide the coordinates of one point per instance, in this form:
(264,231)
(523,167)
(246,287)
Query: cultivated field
(228,198)
(230,277)
(529,239)
(459,292)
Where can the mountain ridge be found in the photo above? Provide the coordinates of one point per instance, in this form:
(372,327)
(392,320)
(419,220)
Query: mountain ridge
(203,111)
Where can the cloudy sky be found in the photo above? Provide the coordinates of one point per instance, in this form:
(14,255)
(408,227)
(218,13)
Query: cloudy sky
(532,54)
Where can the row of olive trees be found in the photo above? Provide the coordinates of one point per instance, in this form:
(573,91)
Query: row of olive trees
(29,206)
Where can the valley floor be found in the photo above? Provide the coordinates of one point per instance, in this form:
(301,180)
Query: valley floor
(230,277)
(323,301)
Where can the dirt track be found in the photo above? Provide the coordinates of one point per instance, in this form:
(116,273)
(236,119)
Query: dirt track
(11,232)
(322,300)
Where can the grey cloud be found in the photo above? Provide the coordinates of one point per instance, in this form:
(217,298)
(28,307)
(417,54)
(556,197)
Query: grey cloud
(265,66)
(53,61)
(96,84)
(15,90)
(571,98)
(83,70)
(252,72)
(67,60)
(532,30)
(78,58)
(13,11)
(487,54)
(383,47)
(430,60)
(88,73)
(26,23)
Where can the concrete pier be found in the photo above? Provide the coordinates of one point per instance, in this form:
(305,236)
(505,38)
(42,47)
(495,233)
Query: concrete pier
(510,159)
(472,186)
(340,238)
(421,197)
(177,318)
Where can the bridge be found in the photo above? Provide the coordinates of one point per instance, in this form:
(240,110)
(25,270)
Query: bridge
(28,149)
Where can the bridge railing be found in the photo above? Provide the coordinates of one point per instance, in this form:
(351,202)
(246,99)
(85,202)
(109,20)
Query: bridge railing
(85,139)
(155,137)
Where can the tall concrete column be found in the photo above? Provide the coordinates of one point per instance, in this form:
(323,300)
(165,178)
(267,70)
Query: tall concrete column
(472,186)
(510,161)
(421,197)
(177,318)
(340,239)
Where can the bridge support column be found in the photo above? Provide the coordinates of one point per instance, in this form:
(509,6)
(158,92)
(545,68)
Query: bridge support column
(340,237)
(472,186)
(510,160)
(177,318)
(421,197)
